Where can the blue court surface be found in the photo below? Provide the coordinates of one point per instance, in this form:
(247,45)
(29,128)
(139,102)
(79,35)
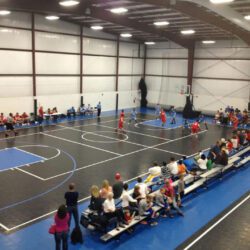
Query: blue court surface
(14,157)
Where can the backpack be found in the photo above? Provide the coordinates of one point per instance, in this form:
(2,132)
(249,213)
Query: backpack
(76,236)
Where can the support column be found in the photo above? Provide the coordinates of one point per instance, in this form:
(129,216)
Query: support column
(81,65)
(117,72)
(33,62)
(190,66)
(145,62)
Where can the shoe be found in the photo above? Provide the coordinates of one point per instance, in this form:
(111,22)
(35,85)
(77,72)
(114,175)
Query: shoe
(181,214)
(122,225)
(154,224)
(117,228)
(6,135)
(164,216)
(143,222)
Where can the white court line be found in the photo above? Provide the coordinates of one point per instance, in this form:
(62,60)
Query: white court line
(215,224)
(120,156)
(133,132)
(54,211)
(82,144)
(33,175)
(26,152)
(159,128)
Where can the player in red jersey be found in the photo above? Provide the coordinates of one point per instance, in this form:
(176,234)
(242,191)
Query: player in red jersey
(195,127)
(163,117)
(121,120)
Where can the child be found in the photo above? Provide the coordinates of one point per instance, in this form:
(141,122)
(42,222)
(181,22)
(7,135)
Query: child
(235,122)
(163,118)
(133,116)
(181,188)
(162,201)
(195,128)
(157,111)
(121,120)
(173,114)
(186,124)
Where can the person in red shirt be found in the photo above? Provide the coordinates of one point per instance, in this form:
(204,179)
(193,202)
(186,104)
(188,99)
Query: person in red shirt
(170,193)
(18,119)
(121,120)
(229,145)
(40,115)
(2,119)
(195,127)
(235,121)
(163,118)
(25,117)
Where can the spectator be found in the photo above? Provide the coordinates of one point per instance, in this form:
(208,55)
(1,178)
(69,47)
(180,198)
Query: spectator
(82,110)
(182,169)
(201,164)
(229,145)
(106,188)
(71,198)
(62,228)
(170,193)
(173,167)
(162,201)
(18,119)
(181,187)
(99,109)
(118,186)
(234,141)
(137,194)
(96,202)
(222,159)
(2,119)
(25,117)
(10,125)
(40,115)
(214,151)
(165,171)
(71,111)
(143,187)
(126,198)
(110,211)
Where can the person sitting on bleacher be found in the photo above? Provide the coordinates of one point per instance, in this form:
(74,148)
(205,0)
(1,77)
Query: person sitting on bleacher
(82,110)
(165,171)
(71,111)
(106,189)
(161,200)
(25,117)
(201,165)
(146,209)
(170,193)
(137,194)
(89,110)
(110,211)
(54,110)
(182,169)
(118,186)
(3,120)
(241,137)
(173,167)
(127,201)
(235,142)
(214,151)
(18,119)
(143,187)
(221,159)
(96,201)
(229,145)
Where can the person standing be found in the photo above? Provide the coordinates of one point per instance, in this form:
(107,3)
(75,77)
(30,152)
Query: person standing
(40,115)
(10,125)
(133,116)
(71,198)
(61,228)
(118,186)
(99,109)
(163,118)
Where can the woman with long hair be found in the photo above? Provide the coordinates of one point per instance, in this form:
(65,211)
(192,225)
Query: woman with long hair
(62,228)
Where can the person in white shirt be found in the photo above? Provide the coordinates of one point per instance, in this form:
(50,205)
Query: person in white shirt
(173,166)
(202,162)
(143,188)
(126,197)
(110,211)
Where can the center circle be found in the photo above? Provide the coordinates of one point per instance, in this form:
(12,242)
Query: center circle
(123,136)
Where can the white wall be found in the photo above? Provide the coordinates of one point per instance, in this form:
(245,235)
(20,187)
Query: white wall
(221,74)
(57,46)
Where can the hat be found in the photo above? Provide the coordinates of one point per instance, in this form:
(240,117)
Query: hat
(117,176)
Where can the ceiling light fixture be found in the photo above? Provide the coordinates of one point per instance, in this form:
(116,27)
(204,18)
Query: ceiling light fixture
(96,27)
(187,32)
(126,35)
(69,3)
(149,43)
(221,1)
(247,17)
(161,23)
(208,42)
(52,18)
(119,10)
(4,12)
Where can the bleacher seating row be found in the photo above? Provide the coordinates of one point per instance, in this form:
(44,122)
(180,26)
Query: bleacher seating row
(193,182)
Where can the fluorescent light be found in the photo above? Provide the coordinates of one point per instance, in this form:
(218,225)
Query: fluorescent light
(52,18)
(4,12)
(126,35)
(69,3)
(161,23)
(221,1)
(149,43)
(119,10)
(247,17)
(187,32)
(96,27)
(208,42)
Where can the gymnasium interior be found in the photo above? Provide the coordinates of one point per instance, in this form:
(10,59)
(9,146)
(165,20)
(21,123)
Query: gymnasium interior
(106,91)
